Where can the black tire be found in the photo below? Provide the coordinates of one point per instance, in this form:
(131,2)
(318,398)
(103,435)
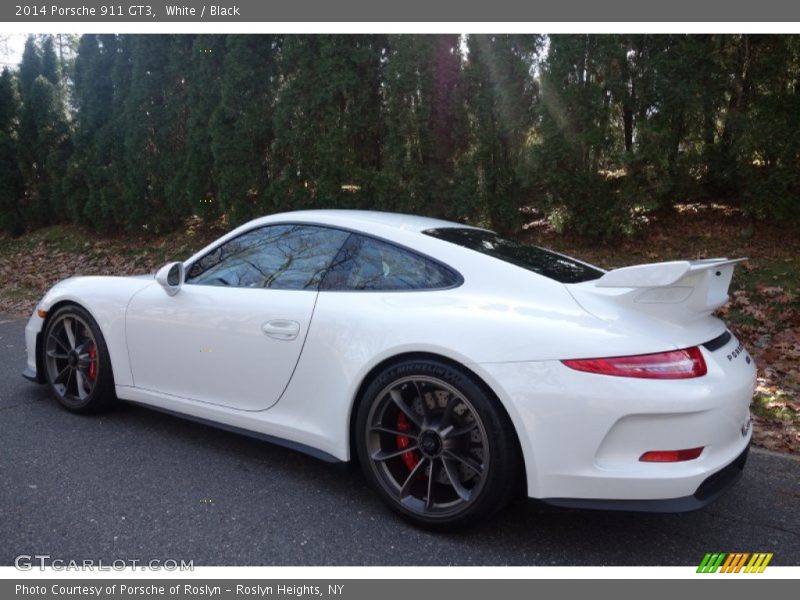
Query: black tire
(436,445)
(76,361)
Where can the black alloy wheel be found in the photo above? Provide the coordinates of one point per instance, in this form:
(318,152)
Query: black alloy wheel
(437,447)
(76,361)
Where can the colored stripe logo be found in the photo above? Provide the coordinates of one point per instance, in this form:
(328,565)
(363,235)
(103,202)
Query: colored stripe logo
(736,562)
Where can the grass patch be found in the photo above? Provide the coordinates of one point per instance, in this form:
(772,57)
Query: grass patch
(777,406)
(783,272)
(737,316)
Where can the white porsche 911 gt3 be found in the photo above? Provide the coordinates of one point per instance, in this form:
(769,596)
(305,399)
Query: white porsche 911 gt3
(458,367)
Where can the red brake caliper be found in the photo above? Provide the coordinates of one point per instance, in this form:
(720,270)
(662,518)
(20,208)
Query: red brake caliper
(410,458)
(93,364)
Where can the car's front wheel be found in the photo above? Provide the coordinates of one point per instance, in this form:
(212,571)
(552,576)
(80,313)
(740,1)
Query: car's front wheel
(76,361)
(436,445)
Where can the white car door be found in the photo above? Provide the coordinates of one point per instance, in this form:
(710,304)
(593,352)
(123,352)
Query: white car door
(233,333)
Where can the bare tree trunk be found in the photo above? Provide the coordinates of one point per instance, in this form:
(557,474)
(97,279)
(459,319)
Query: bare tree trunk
(627,101)
(627,120)
(740,85)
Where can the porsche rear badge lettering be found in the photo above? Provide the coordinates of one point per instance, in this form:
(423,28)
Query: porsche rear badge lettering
(736,351)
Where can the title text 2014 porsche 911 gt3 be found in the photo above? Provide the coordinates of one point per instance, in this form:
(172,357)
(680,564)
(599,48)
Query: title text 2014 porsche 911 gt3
(458,367)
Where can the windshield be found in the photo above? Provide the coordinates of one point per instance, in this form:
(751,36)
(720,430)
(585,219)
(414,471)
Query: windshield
(541,261)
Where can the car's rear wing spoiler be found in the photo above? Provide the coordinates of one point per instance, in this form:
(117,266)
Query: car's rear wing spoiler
(678,291)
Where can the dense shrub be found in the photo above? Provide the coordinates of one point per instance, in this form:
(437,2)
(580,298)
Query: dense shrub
(142,131)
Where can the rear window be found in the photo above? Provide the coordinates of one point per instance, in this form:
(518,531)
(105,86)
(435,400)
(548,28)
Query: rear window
(368,264)
(541,261)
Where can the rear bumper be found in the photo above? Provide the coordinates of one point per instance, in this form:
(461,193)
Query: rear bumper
(712,488)
(582,435)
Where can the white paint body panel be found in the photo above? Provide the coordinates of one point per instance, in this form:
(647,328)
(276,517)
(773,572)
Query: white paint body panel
(202,353)
(185,346)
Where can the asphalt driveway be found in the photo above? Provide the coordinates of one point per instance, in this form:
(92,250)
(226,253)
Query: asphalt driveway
(137,484)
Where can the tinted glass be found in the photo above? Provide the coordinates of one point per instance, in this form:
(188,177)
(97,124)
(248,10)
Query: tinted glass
(174,275)
(288,257)
(532,258)
(368,264)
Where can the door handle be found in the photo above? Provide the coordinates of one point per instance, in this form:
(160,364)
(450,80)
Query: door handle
(281,329)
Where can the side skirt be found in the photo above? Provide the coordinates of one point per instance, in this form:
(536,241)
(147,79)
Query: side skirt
(315,452)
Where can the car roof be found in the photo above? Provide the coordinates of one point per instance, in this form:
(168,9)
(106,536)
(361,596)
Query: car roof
(394,227)
(347,217)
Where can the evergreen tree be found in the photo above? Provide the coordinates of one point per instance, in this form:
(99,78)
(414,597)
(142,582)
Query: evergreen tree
(154,124)
(200,173)
(500,96)
(241,128)
(425,126)
(327,121)
(9,102)
(573,144)
(30,66)
(51,69)
(766,145)
(173,135)
(88,175)
(11,182)
(145,130)
(43,138)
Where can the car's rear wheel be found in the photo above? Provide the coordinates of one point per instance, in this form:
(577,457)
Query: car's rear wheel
(436,445)
(76,361)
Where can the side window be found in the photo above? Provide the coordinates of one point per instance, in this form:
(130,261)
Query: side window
(367,264)
(287,257)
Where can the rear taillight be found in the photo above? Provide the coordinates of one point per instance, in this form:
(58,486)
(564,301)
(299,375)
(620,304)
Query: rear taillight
(675,364)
